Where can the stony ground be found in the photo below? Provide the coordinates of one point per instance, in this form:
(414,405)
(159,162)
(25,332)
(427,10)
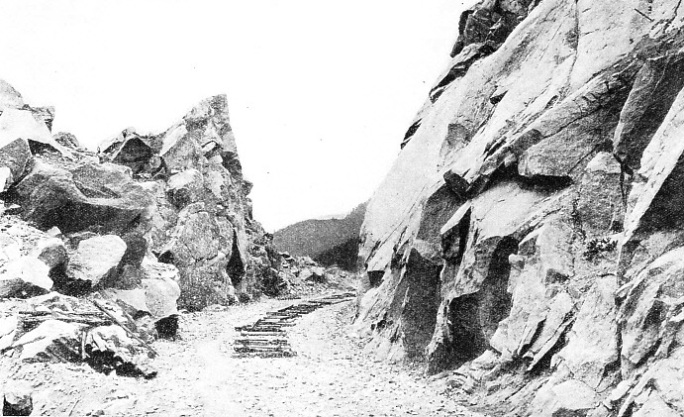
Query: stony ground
(199,376)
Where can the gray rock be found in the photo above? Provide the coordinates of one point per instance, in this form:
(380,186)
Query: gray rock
(570,398)
(52,341)
(22,124)
(68,140)
(24,277)
(97,260)
(17,402)
(185,187)
(110,349)
(52,252)
(15,157)
(655,88)
(9,97)
(132,150)
(101,197)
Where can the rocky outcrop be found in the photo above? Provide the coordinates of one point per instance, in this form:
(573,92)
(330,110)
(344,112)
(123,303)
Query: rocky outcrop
(123,237)
(177,198)
(526,239)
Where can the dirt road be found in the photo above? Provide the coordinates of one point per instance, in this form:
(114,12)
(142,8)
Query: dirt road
(200,376)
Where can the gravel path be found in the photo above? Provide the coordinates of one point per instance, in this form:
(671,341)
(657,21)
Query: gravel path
(200,376)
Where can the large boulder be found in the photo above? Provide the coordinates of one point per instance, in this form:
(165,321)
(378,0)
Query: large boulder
(111,349)
(68,140)
(17,402)
(89,196)
(15,157)
(132,150)
(52,341)
(158,292)
(185,187)
(24,277)
(97,260)
(22,124)
(197,248)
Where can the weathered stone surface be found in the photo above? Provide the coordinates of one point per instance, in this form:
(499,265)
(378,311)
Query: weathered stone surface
(572,132)
(52,252)
(9,97)
(475,279)
(110,348)
(15,156)
(68,140)
(132,150)
(655,200)
(593,341)
(650,312)
(179,196)
(522,127)
(97,260)
(161,288)
(194,249)
(101,197)
(157,293)
(52,341)
(600,205)
(571,398)
(185,187)
(21,124)
(24,277)
(8,329)
(655,406)
(17,402)
(655,89)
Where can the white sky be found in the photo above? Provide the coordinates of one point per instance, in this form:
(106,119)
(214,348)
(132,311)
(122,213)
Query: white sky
(320,92)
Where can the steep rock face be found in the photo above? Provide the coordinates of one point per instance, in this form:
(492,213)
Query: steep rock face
(529,229)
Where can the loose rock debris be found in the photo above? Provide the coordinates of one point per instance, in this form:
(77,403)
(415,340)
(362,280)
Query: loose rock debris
(267,337)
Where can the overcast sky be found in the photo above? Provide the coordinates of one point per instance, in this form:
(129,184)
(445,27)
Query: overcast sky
(320,92)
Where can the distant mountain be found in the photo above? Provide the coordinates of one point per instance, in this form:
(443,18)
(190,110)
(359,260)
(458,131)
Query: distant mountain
(330,241)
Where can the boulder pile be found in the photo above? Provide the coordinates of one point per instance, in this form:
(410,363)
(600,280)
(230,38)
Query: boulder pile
(100,250)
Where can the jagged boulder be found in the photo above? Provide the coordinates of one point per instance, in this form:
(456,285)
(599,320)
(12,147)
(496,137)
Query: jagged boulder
(157,293)
(196,248)
(24,277)
(90,196)
(97,260)
(110,349)
(68,140)
(655,89)
(185,187)
(9,97)
(15,157)
(17,402)
(23,124)
(52,341)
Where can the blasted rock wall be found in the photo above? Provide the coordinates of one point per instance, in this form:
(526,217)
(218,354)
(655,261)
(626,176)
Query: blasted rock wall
(526,241)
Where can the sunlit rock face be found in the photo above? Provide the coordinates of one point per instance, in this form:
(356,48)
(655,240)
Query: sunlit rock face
(156,220)
(527,237)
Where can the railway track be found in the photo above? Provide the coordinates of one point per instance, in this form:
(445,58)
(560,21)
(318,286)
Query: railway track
(267,337)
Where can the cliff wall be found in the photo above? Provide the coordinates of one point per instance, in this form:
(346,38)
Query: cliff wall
(527,241)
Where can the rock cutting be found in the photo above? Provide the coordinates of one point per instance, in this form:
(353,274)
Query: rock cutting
(522,257)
